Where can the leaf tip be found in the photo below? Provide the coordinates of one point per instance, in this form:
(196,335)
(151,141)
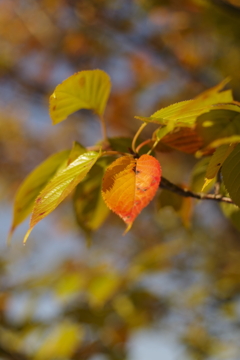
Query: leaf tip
(26,236)
(206,182)
(128,228)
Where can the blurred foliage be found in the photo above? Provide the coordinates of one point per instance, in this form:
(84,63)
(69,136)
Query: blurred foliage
(58,299)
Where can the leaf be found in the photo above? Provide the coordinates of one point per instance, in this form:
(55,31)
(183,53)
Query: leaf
(60,186)
(198,175)
(90,209)
(130,184)
(33,184)
(185,113)
(123,144)
(61,342)
(218,124)
(233,139)
(232,212)
(76,151)
(231,174)
(88,89)
(216,162)
(181,205)
(183,139)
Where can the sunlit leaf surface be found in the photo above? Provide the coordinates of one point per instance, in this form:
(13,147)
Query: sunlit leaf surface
(130,184)
(60,186)
(84,90)
(34,183)
(185,113)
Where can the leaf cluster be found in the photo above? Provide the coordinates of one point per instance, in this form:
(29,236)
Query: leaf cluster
(207,126)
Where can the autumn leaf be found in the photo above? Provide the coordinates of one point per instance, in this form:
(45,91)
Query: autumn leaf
(33,184)
(185,113)
(84,90)
(183,139)
(130,184)
(60,187)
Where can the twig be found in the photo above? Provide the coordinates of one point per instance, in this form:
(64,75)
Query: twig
(136,136)
(166,184)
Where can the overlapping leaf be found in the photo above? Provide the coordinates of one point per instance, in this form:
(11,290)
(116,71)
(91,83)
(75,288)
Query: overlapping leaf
(218,124)
(84,90)
(198,176)
(181,205)
(34,183)
(130,184)
(91,211)
(183,139)
(231,174)
(185,113)
(60,186)
(216,161)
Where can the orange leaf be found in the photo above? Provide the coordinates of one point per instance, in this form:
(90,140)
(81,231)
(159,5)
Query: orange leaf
(130,184)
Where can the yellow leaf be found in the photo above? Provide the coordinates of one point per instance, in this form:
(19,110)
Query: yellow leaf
(84,90)
(60,187)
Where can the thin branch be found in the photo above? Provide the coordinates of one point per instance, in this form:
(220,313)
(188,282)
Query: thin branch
(166,184)
(148,141)
(103,127)
(137,135)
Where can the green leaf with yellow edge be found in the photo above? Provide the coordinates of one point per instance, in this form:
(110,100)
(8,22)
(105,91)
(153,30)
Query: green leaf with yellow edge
(231,175)
(185,113)
(61,342)
(34,183)
(60,187)
(216,161)
(88,89)
(198,176)
(91,211)
(218,124)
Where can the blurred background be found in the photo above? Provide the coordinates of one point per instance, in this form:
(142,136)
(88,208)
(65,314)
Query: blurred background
(169,289)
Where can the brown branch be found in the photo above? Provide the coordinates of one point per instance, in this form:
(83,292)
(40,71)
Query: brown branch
(167,185)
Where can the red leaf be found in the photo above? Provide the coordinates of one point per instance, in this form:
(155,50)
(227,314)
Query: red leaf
(130,184)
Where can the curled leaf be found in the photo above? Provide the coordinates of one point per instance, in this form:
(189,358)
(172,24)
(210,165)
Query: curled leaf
(130,184)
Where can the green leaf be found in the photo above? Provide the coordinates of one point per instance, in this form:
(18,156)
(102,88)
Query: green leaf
(90,208)
(163,131)
(231,174)
(198,175)
(216,161)
(185,113)
(218,124)
(123,144)
(60,186)
(34,183)
(88,89)
(232,212)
